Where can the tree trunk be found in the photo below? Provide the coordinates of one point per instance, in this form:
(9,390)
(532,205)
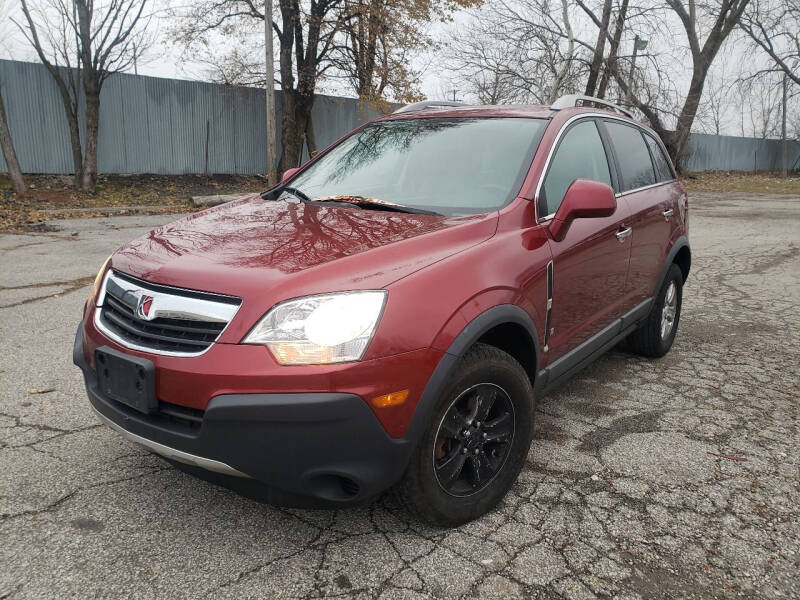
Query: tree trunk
(89,173)
(295,130)
(289,134)
(70,97)
(614,49)
(562,73)
(599,50)
(296,127)
(9,154)
(311,140)
(72,110)
(683,128)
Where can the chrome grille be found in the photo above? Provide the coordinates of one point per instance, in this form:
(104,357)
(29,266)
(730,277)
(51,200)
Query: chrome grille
(161,319)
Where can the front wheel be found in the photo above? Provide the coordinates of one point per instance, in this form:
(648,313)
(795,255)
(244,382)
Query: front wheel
(476,443)
(655,335)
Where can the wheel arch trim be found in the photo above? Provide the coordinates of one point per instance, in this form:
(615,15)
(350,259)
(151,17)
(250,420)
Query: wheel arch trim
(489,319)
(497,315)
(678,245)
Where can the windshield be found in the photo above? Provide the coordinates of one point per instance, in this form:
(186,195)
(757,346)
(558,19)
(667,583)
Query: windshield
(453,166)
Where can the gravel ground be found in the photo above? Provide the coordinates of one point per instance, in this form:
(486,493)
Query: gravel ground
(647,479)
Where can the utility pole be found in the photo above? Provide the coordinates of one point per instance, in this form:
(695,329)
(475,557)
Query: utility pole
(785,167)
(638,44)
(272,159)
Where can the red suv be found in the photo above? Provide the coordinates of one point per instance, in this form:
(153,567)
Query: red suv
(388,314)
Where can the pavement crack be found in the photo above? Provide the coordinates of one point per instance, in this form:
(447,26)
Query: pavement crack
(69,287)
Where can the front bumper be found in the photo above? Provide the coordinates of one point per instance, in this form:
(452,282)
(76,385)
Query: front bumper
(302,449)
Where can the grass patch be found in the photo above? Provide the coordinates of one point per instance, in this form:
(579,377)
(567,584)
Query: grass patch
(50,194)
(749,183)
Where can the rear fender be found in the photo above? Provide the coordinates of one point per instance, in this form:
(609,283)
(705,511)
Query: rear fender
(677,245)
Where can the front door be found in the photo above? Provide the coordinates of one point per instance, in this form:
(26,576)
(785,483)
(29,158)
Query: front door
(590,264)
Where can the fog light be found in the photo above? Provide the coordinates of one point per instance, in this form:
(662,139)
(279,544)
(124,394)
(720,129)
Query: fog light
(393,399)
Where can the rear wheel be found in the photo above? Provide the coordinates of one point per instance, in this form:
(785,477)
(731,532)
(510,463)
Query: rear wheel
(476,443)
(657,332)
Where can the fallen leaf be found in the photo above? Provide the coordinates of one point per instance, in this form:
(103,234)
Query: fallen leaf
(38,391)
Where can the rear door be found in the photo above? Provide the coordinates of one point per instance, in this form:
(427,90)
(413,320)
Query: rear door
(590,264)
(647,183)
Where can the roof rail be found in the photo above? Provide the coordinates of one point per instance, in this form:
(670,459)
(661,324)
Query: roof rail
(426,104)
(572,100)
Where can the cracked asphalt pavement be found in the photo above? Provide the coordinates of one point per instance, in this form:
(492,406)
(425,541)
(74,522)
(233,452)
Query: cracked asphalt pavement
(675,478)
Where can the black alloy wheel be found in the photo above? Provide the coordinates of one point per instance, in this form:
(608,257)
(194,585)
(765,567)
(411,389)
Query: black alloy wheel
(475,443)
(473,440)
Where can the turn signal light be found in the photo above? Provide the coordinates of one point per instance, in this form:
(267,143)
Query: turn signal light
(393,399)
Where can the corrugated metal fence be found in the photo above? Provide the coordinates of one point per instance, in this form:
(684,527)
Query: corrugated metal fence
(731,153)
(153,125)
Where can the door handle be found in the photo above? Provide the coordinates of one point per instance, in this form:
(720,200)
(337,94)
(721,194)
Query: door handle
(668,213)
(621,235)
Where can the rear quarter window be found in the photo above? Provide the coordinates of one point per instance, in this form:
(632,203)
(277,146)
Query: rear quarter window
(632,155)
(660,161)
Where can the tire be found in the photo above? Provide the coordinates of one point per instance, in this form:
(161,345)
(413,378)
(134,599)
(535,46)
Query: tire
(433,487)
(648,339)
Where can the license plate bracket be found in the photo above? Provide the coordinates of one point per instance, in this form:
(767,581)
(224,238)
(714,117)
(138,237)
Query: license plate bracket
(130,380)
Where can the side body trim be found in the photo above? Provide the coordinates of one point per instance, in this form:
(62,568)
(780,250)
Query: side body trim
(576,359)
(549,306)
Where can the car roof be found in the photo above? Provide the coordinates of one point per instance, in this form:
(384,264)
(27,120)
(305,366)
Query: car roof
(504,110)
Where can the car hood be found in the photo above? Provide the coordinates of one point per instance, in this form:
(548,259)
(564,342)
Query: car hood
(273,250)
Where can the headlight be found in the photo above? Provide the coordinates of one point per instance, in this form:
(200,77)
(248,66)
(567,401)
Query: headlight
(323,329)
(98,281)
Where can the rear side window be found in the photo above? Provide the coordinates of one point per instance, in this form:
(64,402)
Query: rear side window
(660,161)
(580,155)
(632,156)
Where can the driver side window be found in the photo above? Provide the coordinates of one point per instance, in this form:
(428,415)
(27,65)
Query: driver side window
(580,155)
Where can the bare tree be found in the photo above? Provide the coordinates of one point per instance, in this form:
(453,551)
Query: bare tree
(6,143)
(306,33)
(716,104)
(541,42)
(763,106)
(480,67)
(58,51)
(706,26)
(367,45)
(6,45)
(774,26)
(82,43)
(10,155)
(518,51)
(599,48)
(610,63)
(722,17)
(378,40)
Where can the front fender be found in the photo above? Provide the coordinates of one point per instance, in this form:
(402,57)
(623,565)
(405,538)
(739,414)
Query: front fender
(485,321)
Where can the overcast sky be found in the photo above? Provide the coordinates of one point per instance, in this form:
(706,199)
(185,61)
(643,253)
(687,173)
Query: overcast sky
(165,60)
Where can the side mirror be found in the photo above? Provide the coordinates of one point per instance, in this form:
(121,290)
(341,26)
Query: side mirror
(288,174)
(585,199)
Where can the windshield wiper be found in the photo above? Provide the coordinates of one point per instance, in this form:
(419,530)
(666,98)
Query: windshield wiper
(302,196)
(375,203)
